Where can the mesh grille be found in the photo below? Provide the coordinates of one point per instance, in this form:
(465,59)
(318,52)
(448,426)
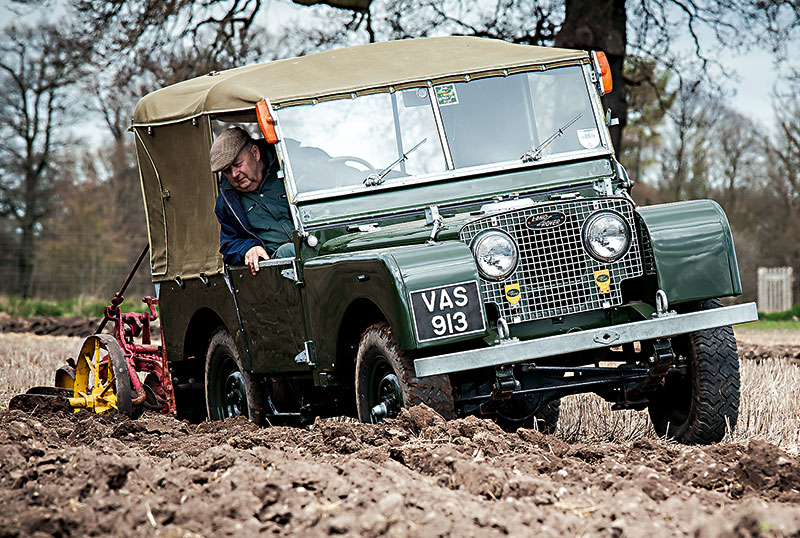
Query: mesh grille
(555,274)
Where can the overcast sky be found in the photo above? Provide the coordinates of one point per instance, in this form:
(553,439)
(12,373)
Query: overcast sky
(753,86)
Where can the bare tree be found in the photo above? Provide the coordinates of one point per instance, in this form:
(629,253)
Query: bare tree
(784,156)
(222,32)
(38,66)
(649,99)
(739,149)
(685,168)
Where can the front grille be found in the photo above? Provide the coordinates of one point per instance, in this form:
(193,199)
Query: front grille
(555,274)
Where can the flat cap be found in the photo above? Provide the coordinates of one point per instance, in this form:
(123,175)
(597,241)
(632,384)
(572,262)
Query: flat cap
(227,146)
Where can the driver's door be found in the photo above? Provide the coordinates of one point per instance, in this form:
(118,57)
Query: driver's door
(271,314)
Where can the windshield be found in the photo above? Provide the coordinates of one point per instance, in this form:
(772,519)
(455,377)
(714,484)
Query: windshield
(351,142)
(499,119)
(340,143)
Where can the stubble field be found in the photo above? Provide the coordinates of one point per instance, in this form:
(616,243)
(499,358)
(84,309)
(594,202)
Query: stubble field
(602,473)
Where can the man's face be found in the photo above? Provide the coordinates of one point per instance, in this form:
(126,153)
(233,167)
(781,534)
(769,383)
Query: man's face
(245,171)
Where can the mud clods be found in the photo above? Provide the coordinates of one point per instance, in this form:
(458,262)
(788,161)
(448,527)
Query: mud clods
(48,325)
(81,474)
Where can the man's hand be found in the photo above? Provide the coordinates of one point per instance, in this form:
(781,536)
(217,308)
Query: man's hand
(252,257)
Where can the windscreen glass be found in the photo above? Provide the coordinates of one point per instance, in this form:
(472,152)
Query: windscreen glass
(389,136)
(499,119)
(341,143)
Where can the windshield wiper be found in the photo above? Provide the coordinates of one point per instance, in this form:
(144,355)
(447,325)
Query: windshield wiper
(536,153)
(376,179)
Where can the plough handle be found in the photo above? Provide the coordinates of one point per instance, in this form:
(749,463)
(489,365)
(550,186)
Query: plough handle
(118,297)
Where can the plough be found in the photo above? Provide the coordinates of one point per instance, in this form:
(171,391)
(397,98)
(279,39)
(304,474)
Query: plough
(112,371)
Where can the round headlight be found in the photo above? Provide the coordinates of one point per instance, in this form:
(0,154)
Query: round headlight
(606,236)
(495,253)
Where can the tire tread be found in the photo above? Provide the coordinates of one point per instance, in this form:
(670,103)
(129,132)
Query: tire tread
(434,391)
(715,390)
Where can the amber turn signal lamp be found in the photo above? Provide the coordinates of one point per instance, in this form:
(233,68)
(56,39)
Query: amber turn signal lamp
(266,122)
(604,70)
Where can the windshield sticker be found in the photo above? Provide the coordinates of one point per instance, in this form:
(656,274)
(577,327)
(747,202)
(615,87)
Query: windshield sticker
(446,95)
(589,138)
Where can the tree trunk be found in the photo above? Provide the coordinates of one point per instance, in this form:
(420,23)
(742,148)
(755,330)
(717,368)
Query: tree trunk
(600,25)
(27,252)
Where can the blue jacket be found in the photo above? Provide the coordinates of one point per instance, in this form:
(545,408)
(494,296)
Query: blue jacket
(236,236)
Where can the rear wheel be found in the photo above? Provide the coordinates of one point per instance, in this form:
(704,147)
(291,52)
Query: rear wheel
(230,390)
(101,376)
(386,381)
(700,397)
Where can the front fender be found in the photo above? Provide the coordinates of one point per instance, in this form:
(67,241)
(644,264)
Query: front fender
(385,278)
(692,250)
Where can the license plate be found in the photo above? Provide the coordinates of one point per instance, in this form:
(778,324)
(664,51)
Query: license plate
(447,311)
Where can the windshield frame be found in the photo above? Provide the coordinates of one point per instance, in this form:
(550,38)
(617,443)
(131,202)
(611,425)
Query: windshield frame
(603,149)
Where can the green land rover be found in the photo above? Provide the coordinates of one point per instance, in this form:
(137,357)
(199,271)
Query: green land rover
(464,238)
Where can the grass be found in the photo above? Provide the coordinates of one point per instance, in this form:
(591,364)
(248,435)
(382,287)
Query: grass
(770,325)
(85,307)
(793,314)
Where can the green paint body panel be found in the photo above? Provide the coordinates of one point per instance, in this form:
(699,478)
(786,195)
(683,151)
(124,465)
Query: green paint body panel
(180,306)
(272,317)
(385,278)
(693,250)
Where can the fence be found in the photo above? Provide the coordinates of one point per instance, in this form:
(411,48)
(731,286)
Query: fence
(775,289)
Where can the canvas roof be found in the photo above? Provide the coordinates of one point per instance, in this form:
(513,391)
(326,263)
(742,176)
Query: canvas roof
(341,72)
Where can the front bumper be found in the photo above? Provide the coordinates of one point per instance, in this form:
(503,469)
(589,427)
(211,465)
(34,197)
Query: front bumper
(513,351)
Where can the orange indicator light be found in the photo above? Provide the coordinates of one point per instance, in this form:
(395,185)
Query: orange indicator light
(266,122)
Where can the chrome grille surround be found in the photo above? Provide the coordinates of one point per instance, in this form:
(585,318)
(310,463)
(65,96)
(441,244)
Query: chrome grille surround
(555,274)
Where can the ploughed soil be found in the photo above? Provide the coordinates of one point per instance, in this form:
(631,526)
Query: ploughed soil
(759,345)
(48,325)
(79,474)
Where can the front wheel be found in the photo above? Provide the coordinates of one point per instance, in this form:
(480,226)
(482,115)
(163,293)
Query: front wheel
(231,390)
(527,412)
(386,380)
(699,401)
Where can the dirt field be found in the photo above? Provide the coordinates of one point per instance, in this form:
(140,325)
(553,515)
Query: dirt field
(48,325)
(65,474)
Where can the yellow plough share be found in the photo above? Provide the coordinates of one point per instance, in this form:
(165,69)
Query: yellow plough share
(94,386)
(112,371)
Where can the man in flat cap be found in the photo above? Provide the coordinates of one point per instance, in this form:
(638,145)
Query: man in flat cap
(251,206)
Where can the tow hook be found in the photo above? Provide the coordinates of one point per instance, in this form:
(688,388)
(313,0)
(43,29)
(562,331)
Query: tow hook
(504,386)
(662,306)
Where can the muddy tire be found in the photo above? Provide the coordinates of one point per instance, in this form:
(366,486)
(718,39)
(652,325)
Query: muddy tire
(386,380)
(700,399)
(543,419)
(546,418)
(231,390)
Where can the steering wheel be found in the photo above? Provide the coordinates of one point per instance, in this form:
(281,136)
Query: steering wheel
(348,158)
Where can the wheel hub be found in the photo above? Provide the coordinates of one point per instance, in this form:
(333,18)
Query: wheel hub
(235,400)
(389,398)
